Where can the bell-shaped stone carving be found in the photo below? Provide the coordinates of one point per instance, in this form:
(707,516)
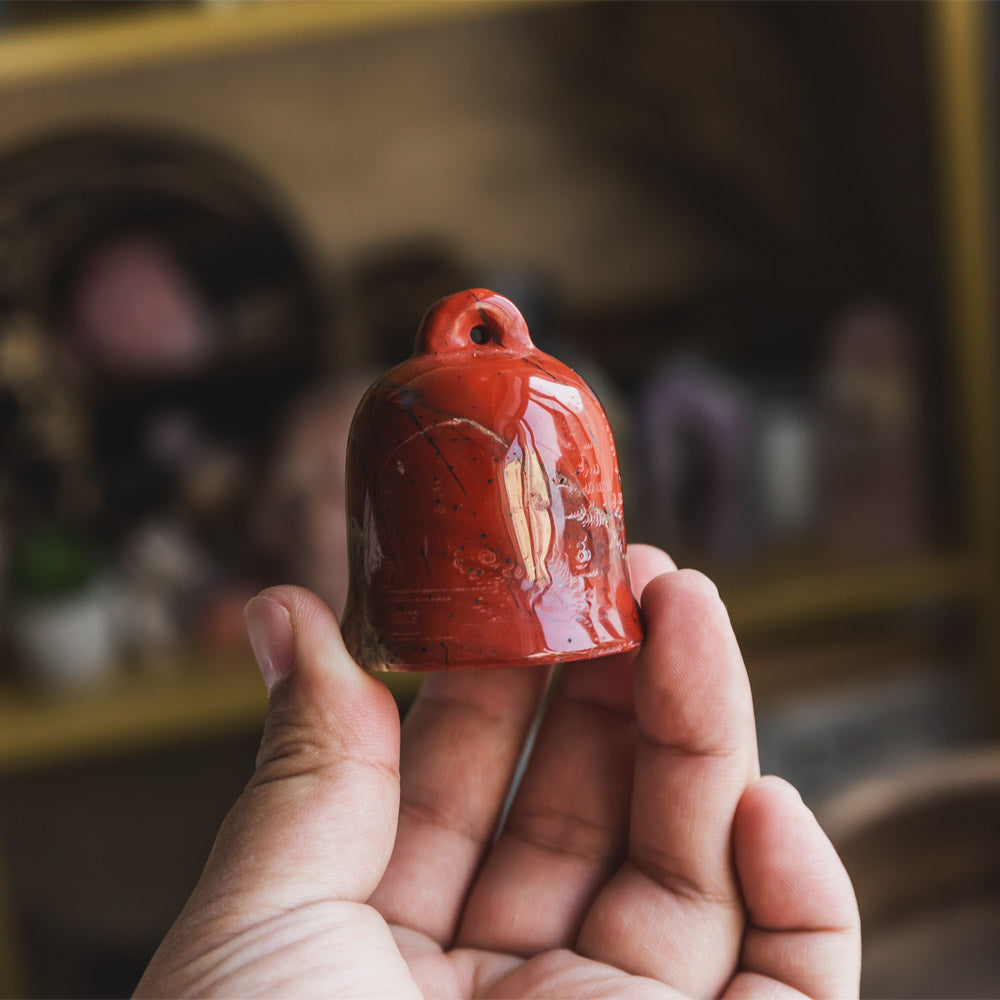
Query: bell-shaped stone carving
(484,505)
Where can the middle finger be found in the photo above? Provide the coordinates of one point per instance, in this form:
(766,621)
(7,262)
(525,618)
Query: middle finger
(461,743)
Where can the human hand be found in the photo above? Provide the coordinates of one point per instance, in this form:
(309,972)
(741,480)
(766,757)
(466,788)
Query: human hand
(641,856)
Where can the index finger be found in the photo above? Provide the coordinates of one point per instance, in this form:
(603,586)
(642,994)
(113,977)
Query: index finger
(461,743)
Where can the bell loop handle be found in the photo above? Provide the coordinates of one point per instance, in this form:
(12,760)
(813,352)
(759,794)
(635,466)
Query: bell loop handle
(476,320)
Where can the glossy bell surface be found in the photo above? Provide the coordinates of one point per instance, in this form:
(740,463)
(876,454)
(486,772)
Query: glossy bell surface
(484,505)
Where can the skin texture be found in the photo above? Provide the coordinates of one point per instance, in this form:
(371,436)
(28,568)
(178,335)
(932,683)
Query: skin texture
(641,856)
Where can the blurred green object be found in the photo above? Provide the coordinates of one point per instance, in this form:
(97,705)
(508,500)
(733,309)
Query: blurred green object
(50,562)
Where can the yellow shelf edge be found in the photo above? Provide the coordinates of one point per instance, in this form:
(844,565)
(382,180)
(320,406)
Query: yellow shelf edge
(128,713)
(185,698)
(52,53)
(814,596)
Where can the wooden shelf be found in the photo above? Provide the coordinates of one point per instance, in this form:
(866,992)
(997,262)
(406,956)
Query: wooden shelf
(201,699)
(156,35)
(794,598)
(207,698)
(131,712)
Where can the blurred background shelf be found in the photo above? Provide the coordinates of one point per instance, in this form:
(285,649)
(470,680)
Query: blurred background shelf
(186,697)
(44,43)
(785,598)
(194,695)
(182,700)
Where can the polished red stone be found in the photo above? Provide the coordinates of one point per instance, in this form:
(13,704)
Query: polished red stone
(484,505)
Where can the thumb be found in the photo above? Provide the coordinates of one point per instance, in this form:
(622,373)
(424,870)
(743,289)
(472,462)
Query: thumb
(317,820)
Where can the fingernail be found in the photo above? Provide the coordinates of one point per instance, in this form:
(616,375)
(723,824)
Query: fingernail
(269,627)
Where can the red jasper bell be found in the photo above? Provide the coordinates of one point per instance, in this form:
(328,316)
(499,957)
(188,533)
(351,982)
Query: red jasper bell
(484,505)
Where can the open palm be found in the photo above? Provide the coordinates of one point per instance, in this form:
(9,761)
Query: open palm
(640,856)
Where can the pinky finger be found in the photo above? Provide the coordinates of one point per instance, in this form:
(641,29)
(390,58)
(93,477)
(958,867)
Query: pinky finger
(803,935)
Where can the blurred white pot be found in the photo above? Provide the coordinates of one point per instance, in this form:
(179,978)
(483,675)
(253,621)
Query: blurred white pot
(67,641)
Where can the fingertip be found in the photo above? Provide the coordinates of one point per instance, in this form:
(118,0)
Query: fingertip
(304,606)
(295,635)
(768,806)
(314,625)
(773,786)
(645,563)
(685,592)
(791,874)
(771,811)
(691,660)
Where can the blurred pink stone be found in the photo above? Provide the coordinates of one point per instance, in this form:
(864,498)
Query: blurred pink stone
(134,310)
